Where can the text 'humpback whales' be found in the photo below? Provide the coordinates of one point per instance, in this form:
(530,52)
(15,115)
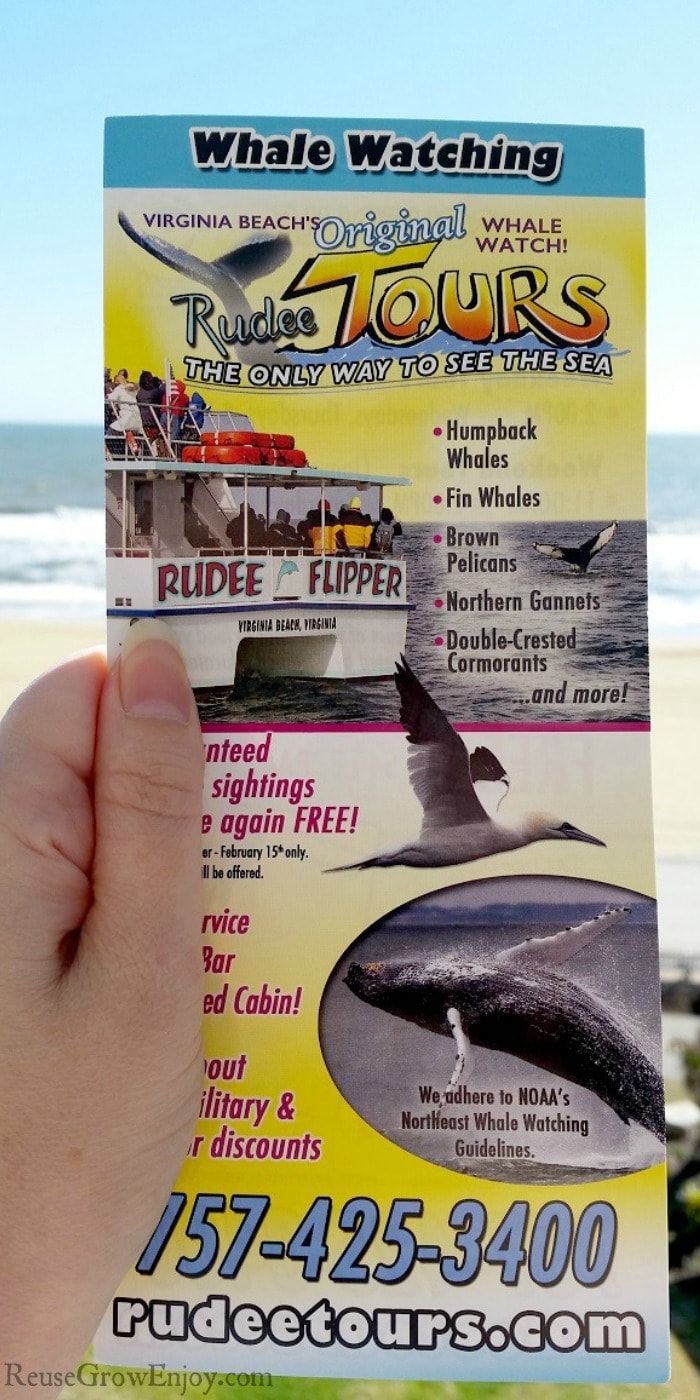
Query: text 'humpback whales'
(459,792)
(226,277)
(516,1003)
(580,556)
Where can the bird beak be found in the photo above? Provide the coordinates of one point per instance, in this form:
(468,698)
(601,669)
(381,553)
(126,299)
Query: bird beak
(572,833)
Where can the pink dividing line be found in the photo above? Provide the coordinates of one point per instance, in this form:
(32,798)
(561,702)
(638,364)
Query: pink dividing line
(640,728)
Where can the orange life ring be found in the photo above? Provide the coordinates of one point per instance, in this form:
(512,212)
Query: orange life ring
(229,456)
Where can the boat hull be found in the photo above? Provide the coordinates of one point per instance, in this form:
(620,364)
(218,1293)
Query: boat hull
(345,642)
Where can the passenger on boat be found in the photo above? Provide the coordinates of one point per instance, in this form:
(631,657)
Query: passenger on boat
(150,391)
(150,395)
(304,531)
(281,534)
(193,421)
(176,405)
(324,536)
(123,399)
(126,427)
(197,410)
(386,530)
(356,528)
(236,534)
(109,411)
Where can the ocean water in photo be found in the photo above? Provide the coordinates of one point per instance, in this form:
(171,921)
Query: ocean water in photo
(52,532)
(51,522)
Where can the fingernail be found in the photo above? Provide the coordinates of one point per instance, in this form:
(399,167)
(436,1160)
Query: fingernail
(153,682)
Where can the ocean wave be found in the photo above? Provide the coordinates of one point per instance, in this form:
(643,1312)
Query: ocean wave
(674,582)
(674,527)
(674,562)
(52,601)
(27,508)
(673,614)
(61,522)
(52,563)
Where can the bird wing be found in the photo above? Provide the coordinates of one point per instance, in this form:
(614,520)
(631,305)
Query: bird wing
(600,540)
(438,764)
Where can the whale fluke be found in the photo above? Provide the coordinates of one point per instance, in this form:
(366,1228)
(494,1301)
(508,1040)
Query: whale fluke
(226,276)
(580,556)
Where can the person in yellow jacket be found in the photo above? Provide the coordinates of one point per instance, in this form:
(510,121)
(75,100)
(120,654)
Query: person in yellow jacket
(356,527)
(324,529)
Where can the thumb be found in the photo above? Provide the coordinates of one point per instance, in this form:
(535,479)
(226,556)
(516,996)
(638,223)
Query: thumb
(142,929)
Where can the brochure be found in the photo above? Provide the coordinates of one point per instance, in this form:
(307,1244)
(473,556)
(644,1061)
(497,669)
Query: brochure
(375,445)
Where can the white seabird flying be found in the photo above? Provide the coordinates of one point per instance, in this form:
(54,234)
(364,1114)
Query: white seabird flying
(456,790)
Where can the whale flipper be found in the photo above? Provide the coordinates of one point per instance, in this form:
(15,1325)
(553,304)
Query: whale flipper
(559,947)
(465,1058)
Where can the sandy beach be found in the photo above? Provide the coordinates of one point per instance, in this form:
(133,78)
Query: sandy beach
(28,648)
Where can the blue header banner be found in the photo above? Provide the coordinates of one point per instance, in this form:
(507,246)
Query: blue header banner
(276,153)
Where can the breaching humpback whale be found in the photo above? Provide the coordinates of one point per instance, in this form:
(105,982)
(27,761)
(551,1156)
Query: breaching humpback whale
(459,792)
(226,277)
(517,1003)
(580,557)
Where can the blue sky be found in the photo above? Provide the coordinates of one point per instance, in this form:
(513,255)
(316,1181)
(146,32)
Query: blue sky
(68,65)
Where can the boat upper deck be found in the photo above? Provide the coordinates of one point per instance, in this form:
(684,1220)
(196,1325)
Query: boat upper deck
(286,477)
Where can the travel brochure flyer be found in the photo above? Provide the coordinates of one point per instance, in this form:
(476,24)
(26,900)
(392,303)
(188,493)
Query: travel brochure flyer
(375,447)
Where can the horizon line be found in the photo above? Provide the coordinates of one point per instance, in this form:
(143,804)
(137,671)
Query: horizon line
(96,423)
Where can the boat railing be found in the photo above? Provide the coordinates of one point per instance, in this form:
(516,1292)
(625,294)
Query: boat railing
(150,438)
(164,430)
(147,547)
(265,551)
(207,514)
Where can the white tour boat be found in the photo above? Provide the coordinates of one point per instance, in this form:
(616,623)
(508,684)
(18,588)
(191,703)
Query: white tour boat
(204,544)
